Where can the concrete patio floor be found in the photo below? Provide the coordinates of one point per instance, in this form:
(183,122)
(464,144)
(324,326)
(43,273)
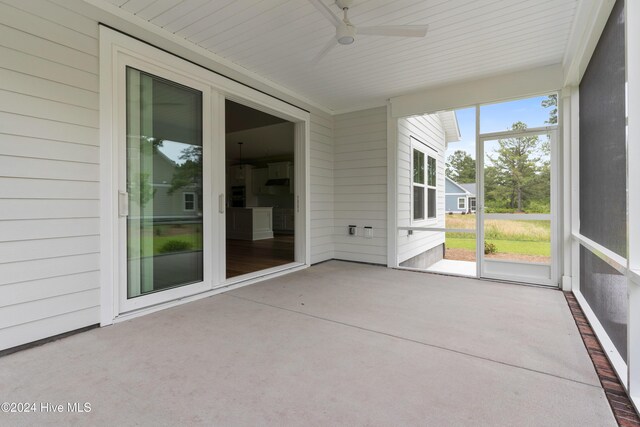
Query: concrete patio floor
(336,344)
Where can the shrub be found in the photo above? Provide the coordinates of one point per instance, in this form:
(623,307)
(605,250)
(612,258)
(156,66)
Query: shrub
(489,248)
(175,246)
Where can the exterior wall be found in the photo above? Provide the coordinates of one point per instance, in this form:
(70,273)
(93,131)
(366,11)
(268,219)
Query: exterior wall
(428,129)
(425,259)
(49,158)
(451,203)
(322,188)
(452,192)
(360,169)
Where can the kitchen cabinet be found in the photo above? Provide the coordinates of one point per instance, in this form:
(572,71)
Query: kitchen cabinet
(250,223)
(279,170)
(283,220)
(242,176)
(258,181)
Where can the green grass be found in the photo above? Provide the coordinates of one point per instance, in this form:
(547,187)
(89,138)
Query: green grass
(509,236)
(194,239)
(503,246)
(188,233)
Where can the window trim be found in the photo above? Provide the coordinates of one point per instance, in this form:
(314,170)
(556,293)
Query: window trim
(428,152)
(185,201)
(464,203)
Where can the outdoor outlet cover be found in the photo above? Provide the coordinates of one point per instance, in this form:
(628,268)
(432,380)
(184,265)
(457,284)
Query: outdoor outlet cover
(368,232)
(352,230)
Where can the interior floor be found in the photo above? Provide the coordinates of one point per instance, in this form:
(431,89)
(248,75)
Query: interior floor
(247,256)
(335,344)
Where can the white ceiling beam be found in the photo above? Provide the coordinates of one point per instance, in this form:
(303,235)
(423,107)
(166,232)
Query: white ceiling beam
(520,84)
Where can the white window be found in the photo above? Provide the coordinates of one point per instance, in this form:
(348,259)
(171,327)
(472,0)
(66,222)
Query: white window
(189,200)
(462,203)
(423,188)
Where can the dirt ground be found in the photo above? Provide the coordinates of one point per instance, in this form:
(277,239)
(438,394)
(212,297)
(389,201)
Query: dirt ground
(467,255)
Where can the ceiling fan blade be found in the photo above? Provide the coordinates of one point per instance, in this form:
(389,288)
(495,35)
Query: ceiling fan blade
(330,45)
(322,8)
(395,30)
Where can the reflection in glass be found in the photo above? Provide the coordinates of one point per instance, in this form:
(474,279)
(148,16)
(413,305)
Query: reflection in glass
(418,167)
(164,182)
(431,170)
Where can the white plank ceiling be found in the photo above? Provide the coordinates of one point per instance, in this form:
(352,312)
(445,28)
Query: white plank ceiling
(278,39)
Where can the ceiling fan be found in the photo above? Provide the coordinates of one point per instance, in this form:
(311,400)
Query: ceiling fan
(346,31)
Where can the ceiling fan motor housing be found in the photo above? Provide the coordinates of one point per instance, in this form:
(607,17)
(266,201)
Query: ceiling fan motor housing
(345,33)
(342,4)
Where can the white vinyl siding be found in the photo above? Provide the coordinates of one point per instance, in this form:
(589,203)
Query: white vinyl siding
(361,184)
(49,185)
(322,187)
(427,129)
(49,158)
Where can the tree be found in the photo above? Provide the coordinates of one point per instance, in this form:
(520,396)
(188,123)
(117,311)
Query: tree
(515,168)
(551,101)
(189,172)
(461,167)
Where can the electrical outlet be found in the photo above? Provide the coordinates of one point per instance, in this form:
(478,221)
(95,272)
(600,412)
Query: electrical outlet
(353,230)
(368,232)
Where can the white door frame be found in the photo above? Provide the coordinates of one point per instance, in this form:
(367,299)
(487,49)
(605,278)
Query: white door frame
(210,185)
(530,273)
(115,50)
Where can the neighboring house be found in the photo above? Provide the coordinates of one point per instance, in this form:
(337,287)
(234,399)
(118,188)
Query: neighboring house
(460,198)
(180,204)
(422,144)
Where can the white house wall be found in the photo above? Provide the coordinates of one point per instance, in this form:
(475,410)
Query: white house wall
(49,155)
(429,130)
(360,170)
(49,173)
(322,188)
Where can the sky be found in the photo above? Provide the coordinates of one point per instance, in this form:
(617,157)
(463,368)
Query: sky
(497,117)
(173,150)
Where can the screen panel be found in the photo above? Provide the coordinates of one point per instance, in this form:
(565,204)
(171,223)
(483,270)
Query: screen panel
(605,289)
(603,140)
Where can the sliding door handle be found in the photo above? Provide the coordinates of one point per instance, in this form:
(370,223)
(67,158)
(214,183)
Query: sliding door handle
(123,203)
(221,203)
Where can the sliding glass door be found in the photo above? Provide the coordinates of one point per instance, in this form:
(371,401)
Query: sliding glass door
(164,205)
(166,193)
